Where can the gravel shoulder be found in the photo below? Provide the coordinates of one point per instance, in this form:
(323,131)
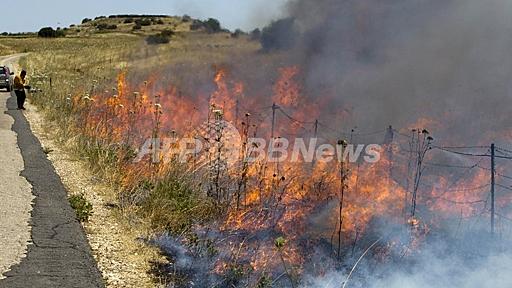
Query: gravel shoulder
(123,260)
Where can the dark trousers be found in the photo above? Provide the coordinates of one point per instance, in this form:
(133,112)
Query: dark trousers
(20,98)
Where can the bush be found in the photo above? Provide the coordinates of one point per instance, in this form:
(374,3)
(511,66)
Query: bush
(158,39)
(170,201)
(82,207)
(105,26)
(196,25)
(143,22)
(86,20)
(212,25)
(128,21)
(279,35)
(255,34)
(160,22)
(167,32)
(237,33)
(137,27)
(49,32)
(186,18)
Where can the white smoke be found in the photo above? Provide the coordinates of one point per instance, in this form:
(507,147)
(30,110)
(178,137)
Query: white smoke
(430,271)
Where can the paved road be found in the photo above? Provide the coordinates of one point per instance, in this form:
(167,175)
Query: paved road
(59,255)
(15,195)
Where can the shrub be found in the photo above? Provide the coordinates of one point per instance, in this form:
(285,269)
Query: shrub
(86,20)
(255,34)
(186,18)
(170,201)
(279,35)
(137,27)
(105,26)
(143,22)
(82,207)
(212,25)
(100,17)
(167,32)
(237,33)
(160,22)
(196,25)
(128,20)
(49,32)
(158,39)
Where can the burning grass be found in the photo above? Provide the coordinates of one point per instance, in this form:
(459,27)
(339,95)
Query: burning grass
(263,223)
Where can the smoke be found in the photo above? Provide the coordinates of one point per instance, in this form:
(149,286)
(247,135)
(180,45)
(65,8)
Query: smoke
(189,267)
(435,267)
(489,272)
(396,61)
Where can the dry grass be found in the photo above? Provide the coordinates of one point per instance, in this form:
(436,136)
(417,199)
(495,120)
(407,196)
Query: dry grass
(67,68)
(121,257)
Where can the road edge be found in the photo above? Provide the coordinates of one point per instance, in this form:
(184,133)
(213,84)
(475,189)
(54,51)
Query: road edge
(59,255)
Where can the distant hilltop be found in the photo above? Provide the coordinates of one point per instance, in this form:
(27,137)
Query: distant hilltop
(128,23)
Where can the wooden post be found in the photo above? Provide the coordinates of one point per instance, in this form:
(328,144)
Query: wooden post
(493,182)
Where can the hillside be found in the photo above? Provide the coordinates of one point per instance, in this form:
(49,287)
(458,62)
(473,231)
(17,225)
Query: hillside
(142,25)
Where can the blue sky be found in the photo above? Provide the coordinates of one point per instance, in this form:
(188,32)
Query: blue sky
(245,14)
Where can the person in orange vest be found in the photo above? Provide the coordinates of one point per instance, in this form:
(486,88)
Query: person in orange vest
(19,89)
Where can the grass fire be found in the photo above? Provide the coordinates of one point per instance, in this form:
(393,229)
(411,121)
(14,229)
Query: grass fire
(349,144)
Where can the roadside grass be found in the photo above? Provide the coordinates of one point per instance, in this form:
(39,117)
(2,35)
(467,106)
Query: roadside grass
(71,71)
(67,69)
(174,204)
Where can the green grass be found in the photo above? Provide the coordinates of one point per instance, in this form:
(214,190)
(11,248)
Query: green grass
(82,207)
(174,204)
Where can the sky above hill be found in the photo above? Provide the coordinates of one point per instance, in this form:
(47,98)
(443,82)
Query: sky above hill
(244,14)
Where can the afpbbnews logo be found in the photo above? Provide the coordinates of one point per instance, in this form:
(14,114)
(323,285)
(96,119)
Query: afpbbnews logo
(221,141)
(259,149)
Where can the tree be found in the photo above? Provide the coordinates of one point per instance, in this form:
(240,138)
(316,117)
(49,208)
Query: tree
(49,32)
(196,25)
(212,25)
(255,34)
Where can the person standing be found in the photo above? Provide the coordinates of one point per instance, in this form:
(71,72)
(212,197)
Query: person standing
(19,89)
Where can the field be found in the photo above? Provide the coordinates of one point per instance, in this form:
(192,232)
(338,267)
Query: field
(65,71)
(127,106)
